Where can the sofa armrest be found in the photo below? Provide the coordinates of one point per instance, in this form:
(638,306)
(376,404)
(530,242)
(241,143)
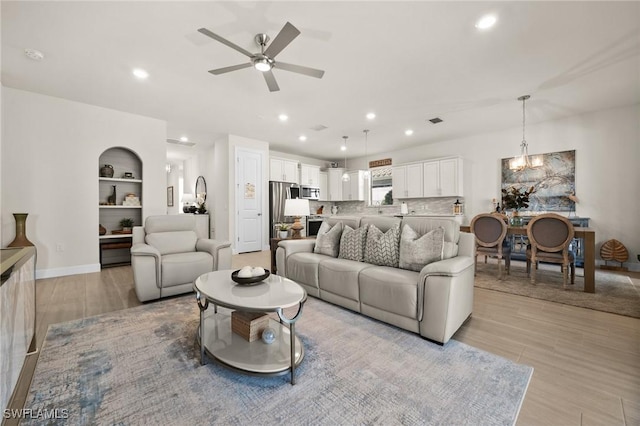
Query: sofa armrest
(448,267)
(219,250)
(445,296)
(141,250)
(288,247)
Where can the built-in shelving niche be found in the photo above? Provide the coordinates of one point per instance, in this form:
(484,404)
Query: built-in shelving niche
(123,161)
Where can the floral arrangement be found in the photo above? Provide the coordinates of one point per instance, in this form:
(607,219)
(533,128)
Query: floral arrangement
(282,227)
(516,198)
(200,205)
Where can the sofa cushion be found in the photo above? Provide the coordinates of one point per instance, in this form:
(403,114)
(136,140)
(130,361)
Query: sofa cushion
(173,242)
(382,248)
(340,276)
(184,268)
(302,267)
(390,289)
(418,250)
(352,243)
(328,239)
(422,225)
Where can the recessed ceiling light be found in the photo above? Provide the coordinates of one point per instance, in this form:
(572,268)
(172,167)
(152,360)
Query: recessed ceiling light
(283,117)
(371,116)
(302,138)
(140,73)
(184,139)
(486,22)
(34,54)
(408,132)
(343,147)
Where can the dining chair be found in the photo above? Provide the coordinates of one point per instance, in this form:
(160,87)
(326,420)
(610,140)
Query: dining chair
(550,237)
(490,230)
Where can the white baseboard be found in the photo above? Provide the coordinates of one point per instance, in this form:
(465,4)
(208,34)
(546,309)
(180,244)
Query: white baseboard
(70,270)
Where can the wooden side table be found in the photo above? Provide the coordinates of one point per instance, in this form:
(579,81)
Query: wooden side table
(273,245)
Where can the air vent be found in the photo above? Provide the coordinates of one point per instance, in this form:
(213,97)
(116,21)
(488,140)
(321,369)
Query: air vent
(179,142)
(436,120)
(318,127)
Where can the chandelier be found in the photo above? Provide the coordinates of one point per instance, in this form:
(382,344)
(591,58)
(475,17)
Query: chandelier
(345,175)
(524,160)
(366,173)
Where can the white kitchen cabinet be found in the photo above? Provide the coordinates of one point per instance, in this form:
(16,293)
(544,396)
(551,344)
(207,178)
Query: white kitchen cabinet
(323,184)
(283,170)
(309,175)
(334,184)
(442,178)
(353,189)
(407,181)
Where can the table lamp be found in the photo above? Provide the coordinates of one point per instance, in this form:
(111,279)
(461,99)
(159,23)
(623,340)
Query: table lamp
(297,208)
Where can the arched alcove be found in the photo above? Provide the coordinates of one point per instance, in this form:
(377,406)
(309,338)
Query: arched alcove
(120,197)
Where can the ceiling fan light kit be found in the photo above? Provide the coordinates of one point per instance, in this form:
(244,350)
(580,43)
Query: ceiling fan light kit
(264,61)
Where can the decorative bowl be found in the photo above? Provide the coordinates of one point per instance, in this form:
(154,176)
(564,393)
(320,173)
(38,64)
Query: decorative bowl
(249,280)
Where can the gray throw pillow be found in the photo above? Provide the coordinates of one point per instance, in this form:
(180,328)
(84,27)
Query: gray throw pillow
(328,239)
(416,251)
(382,248)
(352,243)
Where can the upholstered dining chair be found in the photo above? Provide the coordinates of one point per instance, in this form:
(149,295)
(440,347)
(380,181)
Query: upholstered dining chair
(490,230)
(550,237)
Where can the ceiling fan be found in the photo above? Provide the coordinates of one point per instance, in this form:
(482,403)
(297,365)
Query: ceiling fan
(265,60)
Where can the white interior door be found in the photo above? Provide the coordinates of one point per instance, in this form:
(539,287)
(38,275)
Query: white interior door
(249,200)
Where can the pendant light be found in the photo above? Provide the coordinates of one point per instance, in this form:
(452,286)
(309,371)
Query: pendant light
(366,173)
(524,161)
(345,175)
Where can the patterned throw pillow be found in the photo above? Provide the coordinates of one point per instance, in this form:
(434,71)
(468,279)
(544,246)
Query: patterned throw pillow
(328,239)
(417,251)
(352,243)
(382,248)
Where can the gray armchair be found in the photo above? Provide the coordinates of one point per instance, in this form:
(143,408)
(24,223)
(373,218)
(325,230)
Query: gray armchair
(170,252)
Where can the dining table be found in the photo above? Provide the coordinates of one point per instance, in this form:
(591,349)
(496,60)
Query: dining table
(588,235)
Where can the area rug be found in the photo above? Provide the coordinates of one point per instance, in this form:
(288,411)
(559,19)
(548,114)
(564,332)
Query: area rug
(141,366)
(614,293)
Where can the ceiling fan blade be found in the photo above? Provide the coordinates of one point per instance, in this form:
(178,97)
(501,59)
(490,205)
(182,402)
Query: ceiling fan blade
(271,81)
(311,72)
(282,40)
(231,68)
(224,41)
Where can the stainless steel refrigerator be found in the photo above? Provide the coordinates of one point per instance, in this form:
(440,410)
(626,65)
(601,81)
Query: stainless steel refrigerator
(278,193)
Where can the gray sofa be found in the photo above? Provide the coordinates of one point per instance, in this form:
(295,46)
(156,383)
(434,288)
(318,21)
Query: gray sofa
(433,302)
(170,252)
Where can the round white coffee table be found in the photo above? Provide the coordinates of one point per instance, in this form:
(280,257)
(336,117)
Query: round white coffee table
(275,294)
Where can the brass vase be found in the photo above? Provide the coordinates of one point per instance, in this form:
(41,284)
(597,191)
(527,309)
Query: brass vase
(21,231)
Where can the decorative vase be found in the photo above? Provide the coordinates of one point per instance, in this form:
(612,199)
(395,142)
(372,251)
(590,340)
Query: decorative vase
(106,171)
(101,230)
(516,220)
(283,234)
(111,200)
(21,231)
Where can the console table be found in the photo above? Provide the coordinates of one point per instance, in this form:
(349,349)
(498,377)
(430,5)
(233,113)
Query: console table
(17,316)
(588,237)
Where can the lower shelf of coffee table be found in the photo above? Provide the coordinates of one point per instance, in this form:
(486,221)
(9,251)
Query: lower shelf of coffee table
(257,357)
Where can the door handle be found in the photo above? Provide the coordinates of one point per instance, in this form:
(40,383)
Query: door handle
(259,214)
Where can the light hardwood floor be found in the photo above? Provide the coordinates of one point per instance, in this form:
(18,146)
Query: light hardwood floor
(587,363)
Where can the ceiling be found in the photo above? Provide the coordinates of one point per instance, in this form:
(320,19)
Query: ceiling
(406,61)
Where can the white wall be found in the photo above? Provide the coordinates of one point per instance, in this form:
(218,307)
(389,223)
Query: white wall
(607,145)
(50,154)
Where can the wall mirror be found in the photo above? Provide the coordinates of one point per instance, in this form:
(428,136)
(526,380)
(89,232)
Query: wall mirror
(201,188)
